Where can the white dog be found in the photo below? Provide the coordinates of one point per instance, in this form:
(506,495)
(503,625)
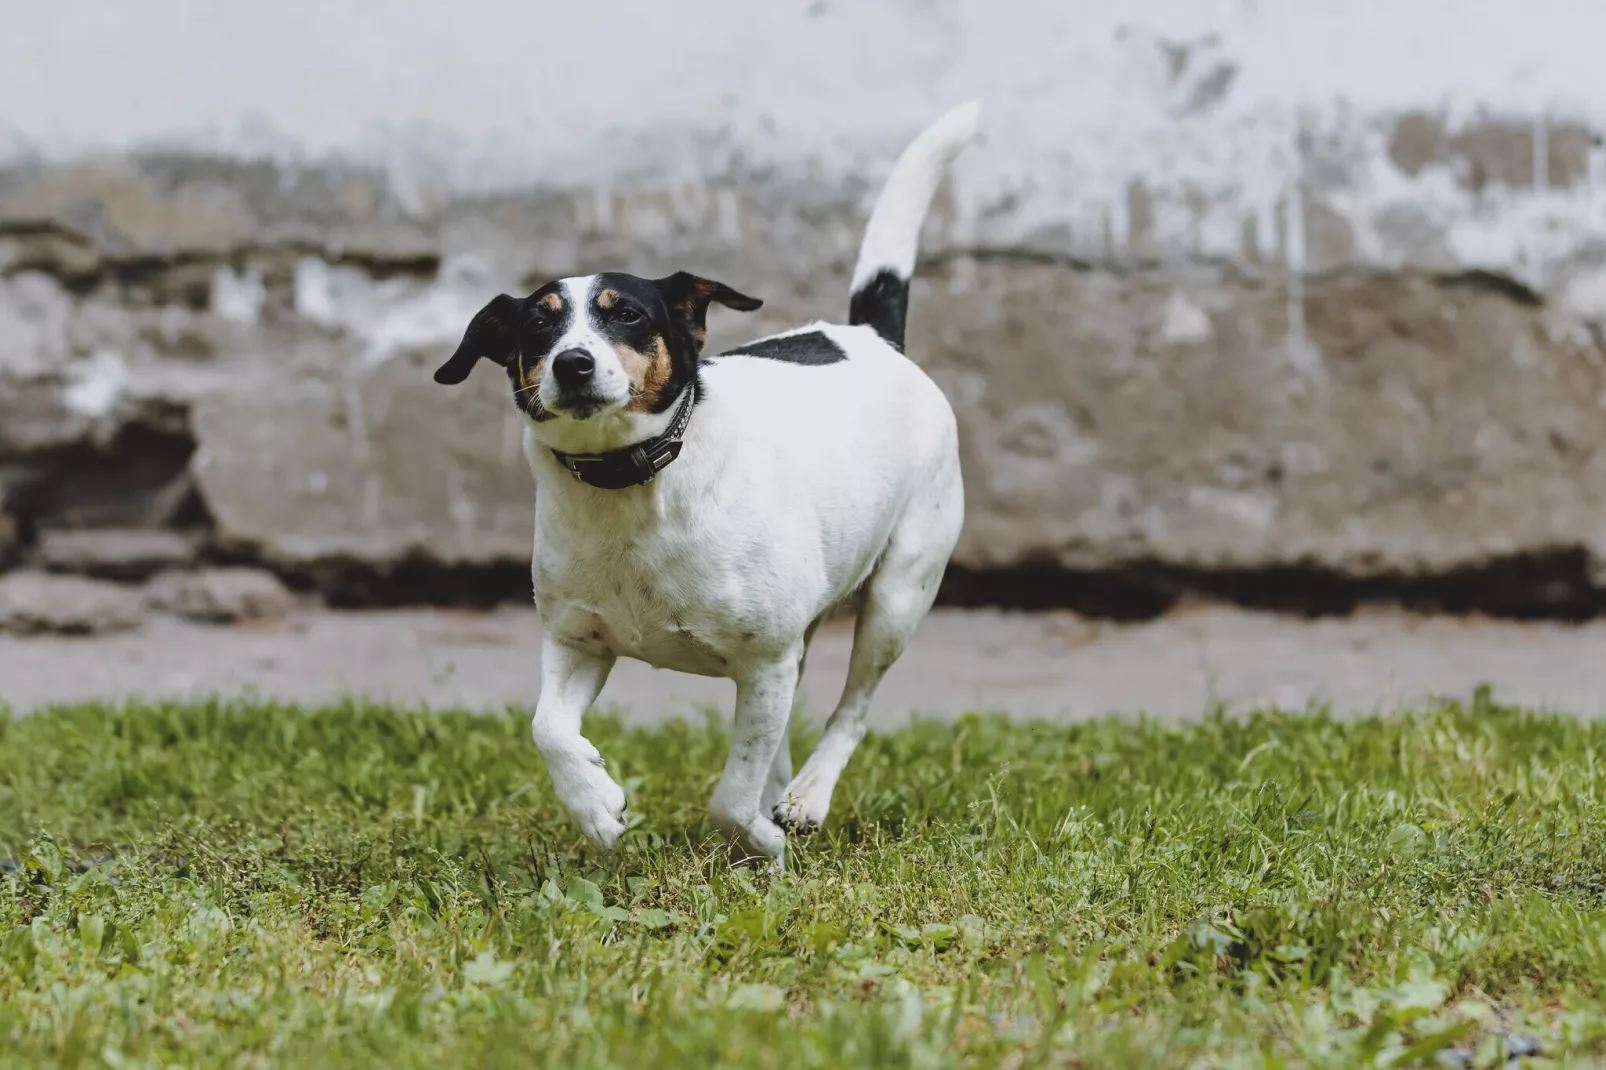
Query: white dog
(705,514)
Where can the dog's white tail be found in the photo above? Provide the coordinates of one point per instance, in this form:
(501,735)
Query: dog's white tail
(880,291)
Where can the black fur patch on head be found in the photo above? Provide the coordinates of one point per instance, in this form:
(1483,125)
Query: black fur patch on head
(655,326)
(516,333)
(810,348)
(547,315)
(491,335)
(647,337)
(688,296)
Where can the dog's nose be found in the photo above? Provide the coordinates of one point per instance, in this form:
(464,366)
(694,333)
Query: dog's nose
(572,367)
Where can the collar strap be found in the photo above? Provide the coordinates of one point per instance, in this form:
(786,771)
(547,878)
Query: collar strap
(635,465)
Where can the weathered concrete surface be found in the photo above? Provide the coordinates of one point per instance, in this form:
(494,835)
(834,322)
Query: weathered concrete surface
(220,595)
(1365,424)
(37,603)
(113,553)
(1414,426)
(1213,296)
(8,539)
(1038,666)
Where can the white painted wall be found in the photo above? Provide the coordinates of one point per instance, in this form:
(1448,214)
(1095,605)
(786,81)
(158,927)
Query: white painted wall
(482,93)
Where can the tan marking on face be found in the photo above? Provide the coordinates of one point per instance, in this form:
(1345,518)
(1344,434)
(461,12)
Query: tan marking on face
(649,374)
(527,394)
(552,302)
(607,298)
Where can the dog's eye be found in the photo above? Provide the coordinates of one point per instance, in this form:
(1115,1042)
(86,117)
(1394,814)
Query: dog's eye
(627,315)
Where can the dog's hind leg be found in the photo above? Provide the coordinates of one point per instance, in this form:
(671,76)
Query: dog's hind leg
(763,710)
(781,767)
(898,596)
(571,680)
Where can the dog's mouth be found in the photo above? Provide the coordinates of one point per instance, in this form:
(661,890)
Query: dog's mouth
(579,405)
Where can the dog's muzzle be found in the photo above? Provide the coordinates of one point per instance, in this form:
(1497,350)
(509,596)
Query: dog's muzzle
(574,374)
(573,368)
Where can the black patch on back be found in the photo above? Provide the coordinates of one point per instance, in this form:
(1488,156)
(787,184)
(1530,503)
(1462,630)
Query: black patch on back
(883,305)
(810,348)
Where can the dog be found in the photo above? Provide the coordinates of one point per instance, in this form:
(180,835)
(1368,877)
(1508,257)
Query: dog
(706,513)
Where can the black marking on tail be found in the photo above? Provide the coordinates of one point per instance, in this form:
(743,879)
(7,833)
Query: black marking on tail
(883,305)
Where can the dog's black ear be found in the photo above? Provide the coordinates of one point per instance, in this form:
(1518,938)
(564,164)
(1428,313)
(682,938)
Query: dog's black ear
(688,297)
(490,335)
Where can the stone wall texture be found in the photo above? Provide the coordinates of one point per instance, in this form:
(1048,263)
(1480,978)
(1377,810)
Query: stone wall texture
(1262,300)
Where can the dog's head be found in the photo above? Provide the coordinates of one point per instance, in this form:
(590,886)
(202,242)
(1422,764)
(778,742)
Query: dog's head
(582,348)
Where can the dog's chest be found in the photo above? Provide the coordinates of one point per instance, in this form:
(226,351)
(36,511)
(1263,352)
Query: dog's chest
(664,599)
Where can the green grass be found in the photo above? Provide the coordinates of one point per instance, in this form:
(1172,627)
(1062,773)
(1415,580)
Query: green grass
(248,885)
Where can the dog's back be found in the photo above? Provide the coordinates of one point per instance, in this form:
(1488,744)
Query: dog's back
(845,380)
(834,419)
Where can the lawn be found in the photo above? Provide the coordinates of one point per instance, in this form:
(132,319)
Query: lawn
(250,885)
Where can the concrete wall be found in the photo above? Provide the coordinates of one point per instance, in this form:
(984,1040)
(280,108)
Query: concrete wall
(1230,287)
(1216,112)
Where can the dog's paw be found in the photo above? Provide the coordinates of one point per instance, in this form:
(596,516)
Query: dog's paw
(754,839)
(603,829)
(797,815)
(767,839)
(602,815)
(763,845)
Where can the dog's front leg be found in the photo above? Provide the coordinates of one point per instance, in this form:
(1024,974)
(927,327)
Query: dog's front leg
(571,679)
(763,708)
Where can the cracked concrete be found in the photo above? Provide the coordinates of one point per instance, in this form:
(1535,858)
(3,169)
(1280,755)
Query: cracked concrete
(1402,425)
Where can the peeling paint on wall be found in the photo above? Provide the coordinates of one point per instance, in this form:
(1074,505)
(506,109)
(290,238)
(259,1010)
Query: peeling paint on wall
(1431,150)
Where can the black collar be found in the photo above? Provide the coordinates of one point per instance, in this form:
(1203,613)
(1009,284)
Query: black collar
(635,465)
